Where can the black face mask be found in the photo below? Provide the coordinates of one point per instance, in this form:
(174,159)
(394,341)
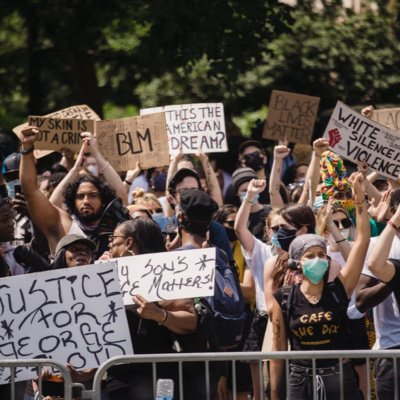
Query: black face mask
(285,237)
(231,234)
(199,228)
(254,161)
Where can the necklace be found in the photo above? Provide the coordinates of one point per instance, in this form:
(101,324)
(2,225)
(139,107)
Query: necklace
(312,299)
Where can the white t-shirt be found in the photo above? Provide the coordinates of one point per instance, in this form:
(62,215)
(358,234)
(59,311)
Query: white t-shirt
(261,253)
(352,311)
(386,314)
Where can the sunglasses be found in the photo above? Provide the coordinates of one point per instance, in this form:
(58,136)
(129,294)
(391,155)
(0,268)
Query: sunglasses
(230,223)
(345,222)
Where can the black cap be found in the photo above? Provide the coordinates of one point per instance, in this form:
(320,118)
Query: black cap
(180,175)
(197,205)
(72,238)
(249,143)
(11,163)
(242,175)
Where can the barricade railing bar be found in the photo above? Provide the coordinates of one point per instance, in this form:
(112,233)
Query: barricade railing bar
(233,357)
(40,363)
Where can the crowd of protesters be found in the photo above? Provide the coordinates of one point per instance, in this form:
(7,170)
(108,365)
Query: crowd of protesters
(316,251)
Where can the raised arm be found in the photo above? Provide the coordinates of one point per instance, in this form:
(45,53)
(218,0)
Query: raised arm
(214,190)
(52,221)
(269,268)
(370,292)
(279,343)
(131,175)
(173,167)
(280,152)
(57,197)
(111,176)
(248,286)
(244,236)
(314,171)
(350,274)
(371,191)
(378,262)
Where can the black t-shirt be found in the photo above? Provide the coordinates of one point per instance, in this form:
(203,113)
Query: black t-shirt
(394,283)
(320,326)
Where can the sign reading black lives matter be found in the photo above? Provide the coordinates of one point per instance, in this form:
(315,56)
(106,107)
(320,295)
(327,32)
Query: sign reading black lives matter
(167,276)
(71,315)
(194,126)
(356,137)
(56,133)
(291,116)
(124,141)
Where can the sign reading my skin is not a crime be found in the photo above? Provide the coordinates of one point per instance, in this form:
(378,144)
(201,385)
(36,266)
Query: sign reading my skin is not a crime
(291,116)
(72,315)
(167,276)
(356,138)
(194,126)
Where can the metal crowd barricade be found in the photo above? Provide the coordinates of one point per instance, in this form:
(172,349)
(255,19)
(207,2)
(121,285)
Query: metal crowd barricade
(40,363)
(232,357)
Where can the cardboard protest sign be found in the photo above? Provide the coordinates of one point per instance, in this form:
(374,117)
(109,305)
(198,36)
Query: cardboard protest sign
(72,315)
(194,126)
(356,137)
(167,276)
(56,133)
(75,112)
(292,116)
(125,141)
(389,117)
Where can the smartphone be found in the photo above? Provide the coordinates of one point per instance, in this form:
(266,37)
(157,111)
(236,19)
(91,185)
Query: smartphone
(17,189)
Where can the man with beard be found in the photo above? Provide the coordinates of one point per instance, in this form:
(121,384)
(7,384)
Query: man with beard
(86,197)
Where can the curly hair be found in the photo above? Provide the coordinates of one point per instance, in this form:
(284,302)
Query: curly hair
(146,233)
(223,212)
(107,193)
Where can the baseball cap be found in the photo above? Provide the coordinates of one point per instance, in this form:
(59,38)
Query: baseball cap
(72,238)
(249,143)
(11,163)
(197,205)
(180,175)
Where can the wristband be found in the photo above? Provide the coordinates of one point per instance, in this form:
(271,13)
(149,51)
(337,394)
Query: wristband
(393,225)
(129,183)
(23,152)
(105,167)
(340,241)
(359,202)
(316,155)
(248,201)
(165,317)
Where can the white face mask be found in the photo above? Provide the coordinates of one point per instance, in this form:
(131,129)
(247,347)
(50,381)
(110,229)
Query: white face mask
(344,233)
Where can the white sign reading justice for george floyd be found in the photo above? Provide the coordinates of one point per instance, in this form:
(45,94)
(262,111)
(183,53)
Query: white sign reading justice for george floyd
(72,315)
(194,126)
(356,137)
(167,276)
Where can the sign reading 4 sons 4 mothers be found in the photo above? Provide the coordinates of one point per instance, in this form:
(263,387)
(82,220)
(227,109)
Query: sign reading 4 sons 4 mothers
(194,126)
(356,138)
(72,315)
(167,276)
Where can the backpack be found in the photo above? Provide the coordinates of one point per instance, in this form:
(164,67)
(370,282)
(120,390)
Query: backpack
(221,317)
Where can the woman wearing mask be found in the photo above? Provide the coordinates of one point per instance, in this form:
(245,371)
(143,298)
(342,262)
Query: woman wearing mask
(315,297)
(150,323)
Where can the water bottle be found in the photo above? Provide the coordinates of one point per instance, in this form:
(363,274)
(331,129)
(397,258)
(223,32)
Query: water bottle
(165,389)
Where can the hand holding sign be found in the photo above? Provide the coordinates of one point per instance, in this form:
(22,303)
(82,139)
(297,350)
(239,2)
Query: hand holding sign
(29,136)
(368,112)
(147,309)
(320,146)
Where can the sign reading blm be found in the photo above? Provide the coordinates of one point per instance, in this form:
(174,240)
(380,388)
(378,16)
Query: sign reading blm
(56,133)
(71,315)
(167,276)
(291,116)
(357,138)
(194,126)
(125,141)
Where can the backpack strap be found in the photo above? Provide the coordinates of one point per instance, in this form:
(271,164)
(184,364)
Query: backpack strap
(286,304)
(340,298)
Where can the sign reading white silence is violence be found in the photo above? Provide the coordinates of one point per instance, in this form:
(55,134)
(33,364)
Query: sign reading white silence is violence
(356,138)
(72,315)
(167,276)
(194,126)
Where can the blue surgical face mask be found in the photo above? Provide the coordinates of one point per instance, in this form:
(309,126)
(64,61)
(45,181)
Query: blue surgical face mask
(318,203)
(315,269)
(275,241)
(243,195)
(11,187)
